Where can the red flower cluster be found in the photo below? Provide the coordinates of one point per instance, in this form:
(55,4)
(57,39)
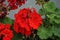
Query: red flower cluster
(1,1)
(26,20)
(5,33)
(13,3)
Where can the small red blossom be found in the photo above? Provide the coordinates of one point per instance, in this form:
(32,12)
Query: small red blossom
(3,10)
(7,26)
(1,26)
(20,2)
(5,32)
(6,38)
(15,3)
(26,20)
(1,1)
(13,7)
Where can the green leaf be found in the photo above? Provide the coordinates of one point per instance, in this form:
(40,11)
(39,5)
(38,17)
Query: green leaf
(41,12)
(6,20)
(57,31)
(17,37)
(57,17)
(45,33)
(57,21)
(51,16)
(57,10)
(54,18)
(49,7)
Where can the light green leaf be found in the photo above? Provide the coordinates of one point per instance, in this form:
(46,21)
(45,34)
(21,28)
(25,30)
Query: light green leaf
(49,7)
(54,18)
(51,16)
(45,33)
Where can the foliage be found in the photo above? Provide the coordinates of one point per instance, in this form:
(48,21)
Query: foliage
(7,20)
(52,20)
(45,33)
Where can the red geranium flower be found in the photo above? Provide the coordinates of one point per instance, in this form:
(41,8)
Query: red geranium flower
(14,3)
(1,1)
(13,7)
(26,20)
(5,32)
(20,2)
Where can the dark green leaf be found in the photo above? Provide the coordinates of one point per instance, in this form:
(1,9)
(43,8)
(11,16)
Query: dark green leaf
(41,12)
(17,37)
(7,20)
(57,31)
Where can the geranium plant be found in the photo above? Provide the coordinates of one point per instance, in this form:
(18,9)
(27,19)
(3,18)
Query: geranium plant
(28,24)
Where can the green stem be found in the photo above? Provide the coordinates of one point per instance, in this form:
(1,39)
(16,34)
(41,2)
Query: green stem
(46,18)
